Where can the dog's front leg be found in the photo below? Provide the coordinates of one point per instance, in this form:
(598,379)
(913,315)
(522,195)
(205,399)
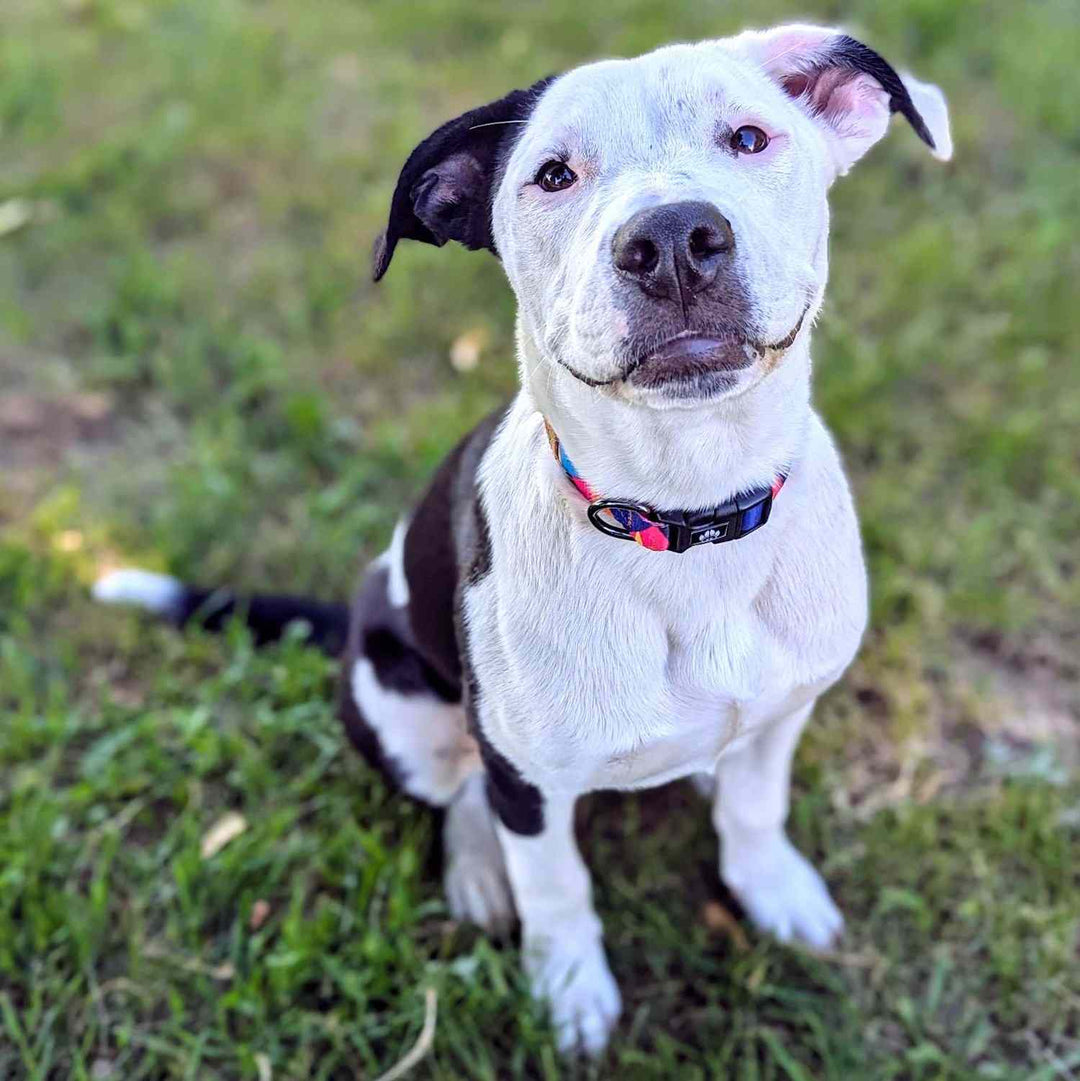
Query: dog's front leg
(561,933)
(781,891)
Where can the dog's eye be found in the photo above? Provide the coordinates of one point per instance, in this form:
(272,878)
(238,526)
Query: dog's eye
(555,176)
(749,140)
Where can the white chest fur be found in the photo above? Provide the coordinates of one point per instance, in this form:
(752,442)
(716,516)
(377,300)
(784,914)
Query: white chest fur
(602,664)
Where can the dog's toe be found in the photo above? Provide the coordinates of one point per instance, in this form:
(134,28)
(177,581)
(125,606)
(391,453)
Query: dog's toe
(784,895)
(478,892)
(575,981)
(477,889)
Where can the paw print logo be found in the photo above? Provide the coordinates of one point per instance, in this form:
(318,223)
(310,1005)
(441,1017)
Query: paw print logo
(712,535)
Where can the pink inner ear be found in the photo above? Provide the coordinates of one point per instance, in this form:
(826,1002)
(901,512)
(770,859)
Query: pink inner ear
(852,102)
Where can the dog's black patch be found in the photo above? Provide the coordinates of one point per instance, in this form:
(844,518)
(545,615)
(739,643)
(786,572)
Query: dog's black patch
(432,556)
(379,633)
(423,648)
(480,564)
(431,570)
(447,184)
(374,633)
(362,736)
(519,805)
(400,668)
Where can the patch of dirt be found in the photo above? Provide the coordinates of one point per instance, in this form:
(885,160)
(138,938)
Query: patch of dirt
(38,433)
(998,708)
(36,430)
(1030,694)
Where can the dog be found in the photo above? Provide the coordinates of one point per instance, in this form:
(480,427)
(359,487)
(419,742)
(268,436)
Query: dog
(648,566)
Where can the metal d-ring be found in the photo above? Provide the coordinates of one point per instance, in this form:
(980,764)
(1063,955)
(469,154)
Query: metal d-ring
(597,506)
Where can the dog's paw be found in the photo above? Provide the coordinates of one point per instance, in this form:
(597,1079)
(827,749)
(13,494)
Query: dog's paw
(477,891)
(574,980)
(784,895)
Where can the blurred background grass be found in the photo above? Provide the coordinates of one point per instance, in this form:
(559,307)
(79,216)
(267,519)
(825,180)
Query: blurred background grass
(196,374)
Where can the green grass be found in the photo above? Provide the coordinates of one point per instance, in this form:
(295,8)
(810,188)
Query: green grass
(196,374)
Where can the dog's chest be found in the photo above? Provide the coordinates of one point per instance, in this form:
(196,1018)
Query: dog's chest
(695,687)
(635,682)
(601,664)
(688,712)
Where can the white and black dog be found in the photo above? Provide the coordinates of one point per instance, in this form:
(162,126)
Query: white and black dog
(664,226)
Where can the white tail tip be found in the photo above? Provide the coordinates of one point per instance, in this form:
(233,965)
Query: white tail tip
(158,593)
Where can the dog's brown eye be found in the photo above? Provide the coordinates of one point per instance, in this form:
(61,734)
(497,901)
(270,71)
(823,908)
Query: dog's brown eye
(749,140)
(555,176)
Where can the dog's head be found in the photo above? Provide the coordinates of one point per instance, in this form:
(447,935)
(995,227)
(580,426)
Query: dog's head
(663,220)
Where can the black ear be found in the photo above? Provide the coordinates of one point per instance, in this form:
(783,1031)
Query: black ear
(446,187)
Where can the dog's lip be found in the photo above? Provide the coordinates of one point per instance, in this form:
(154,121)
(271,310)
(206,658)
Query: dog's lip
(689,354)
(692,353)
(695,348)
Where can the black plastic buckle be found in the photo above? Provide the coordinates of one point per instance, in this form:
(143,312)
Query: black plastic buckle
(687,529)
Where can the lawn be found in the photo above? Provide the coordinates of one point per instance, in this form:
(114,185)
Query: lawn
(197,375)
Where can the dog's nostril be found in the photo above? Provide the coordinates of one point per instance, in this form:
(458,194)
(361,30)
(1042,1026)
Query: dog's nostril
(706,241)
(638,256)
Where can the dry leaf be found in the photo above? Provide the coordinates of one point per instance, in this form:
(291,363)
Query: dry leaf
(717,918)
(14,214)
(260,910)
(466,349)
(68,540)
(227,828)
(91,407)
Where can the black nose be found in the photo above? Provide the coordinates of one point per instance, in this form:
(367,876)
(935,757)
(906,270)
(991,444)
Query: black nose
(673,250)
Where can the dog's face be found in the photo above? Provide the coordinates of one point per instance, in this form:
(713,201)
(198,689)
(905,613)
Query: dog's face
(663,220)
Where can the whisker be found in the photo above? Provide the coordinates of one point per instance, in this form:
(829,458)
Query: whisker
(496,123)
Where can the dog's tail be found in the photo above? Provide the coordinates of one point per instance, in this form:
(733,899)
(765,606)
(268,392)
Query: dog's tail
(267,615)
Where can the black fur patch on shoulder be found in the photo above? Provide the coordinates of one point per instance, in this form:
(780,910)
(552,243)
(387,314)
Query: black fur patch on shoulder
(424,647)
(519,805)
(432,559)
(480,564)
(400,668)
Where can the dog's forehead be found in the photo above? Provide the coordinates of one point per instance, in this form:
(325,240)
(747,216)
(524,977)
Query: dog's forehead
(612,101)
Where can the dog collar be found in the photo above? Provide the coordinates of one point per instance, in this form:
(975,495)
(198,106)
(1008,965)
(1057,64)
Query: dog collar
(671,530)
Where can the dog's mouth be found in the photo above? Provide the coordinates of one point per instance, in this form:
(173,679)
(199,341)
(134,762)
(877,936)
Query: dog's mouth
(695,363)
(688,357)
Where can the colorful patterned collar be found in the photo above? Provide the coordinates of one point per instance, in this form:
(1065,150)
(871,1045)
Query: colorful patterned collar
(673,530)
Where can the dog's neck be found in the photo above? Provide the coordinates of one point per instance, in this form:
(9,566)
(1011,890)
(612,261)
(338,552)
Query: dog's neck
(677,457)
